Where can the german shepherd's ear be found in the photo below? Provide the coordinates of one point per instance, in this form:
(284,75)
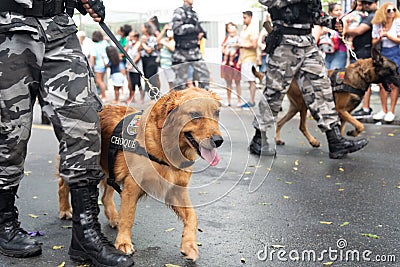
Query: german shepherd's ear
(164,106)
(376,56)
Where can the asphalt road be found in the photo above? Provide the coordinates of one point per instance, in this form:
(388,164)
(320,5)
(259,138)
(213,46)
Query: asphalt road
(249,208)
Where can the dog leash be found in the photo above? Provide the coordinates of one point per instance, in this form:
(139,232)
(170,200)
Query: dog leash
(153,89)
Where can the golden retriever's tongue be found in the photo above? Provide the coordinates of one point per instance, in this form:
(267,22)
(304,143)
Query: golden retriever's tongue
(211,156)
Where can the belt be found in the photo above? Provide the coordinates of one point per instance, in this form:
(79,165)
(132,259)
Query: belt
(40,8)
(294,31)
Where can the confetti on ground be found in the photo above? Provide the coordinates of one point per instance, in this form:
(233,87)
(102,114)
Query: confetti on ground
(344,224)
(327,263)
(169,229)
(37,233)
(341,169)
(324,222)
(33,216)
(242,260)
(286,197)
(371,236)
(288,182)
(328,176)
(391,134)
(199,244)
(27,173)
(247,172)
(67,226)
(62,264)
(34,197)
(171,265)
(57,247)
(265,203)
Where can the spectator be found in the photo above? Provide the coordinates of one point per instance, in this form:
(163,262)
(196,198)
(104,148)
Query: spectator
(248,55)
(98,59)
(262,55)
(123,32)
(386,32)
(336,55)
(156,25)
(86,43)
(353,19)
(149,56)
(167,48)
(134,79)
(362,42)
(117,78)
(187,34)
(232,74)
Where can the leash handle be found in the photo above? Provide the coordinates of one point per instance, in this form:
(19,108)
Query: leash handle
(107,30)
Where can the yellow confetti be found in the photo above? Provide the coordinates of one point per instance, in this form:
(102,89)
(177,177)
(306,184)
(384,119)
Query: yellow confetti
(286,197)
(341,169)
(247,172)
(328,176)
(295,168)
(203,193)
(62,264)
(296,163)
(327,263)
(33,216)
(169,229)
(324,222)
(341,189)
(27,173)
(265,203)
(171,265)
(50,161)
(67,226)
(34,197)
(391,134)
(277,246)
(288,182)
(344,224)
(57,247)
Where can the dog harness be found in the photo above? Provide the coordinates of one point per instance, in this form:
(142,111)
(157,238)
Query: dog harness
(338,85)
(123,139)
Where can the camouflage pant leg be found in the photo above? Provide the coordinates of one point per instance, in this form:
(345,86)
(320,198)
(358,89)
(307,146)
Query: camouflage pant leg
(200,74)
(304,64)
(69,100)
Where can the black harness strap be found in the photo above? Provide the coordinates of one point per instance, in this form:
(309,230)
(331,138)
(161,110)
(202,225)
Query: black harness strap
(122,138)
(338,85)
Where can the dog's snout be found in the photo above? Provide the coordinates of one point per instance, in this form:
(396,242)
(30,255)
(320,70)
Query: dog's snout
(216,141)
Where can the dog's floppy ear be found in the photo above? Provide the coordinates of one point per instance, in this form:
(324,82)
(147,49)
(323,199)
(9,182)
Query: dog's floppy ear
(376,56)
(165,105)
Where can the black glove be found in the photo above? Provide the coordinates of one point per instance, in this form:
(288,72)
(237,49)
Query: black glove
(96,5)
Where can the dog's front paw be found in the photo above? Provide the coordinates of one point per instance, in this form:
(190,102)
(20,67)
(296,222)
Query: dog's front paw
(65,214)
(190,250)
(125,246)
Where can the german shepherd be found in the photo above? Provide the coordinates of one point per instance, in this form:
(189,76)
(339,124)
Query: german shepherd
(359,76)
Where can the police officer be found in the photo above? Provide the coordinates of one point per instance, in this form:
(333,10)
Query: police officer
(40,56)
(293,54)
(187,34)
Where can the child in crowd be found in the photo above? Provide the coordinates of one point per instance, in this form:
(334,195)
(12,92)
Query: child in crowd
(117,77)
(230,46)
(134,77)
(353,19)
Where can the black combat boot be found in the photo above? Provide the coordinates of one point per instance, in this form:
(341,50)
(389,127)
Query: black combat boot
(14,241)
(259,145)
(88,242)
(340,146)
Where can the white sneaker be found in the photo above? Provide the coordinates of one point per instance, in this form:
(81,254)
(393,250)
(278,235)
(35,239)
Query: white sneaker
(389,117)
(379,116)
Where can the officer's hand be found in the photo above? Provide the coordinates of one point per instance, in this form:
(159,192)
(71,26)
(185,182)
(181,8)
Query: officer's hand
(95,8)
(338,26)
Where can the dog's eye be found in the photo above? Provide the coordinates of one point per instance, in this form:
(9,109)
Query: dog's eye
(195,115)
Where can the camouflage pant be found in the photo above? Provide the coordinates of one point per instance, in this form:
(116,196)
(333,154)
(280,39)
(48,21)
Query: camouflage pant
(44,59)
(185,59)
(298,58)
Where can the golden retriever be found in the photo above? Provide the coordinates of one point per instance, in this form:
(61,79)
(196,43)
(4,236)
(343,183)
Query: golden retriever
(175,130)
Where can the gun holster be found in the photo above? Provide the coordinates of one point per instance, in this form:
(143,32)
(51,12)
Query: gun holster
(273,39)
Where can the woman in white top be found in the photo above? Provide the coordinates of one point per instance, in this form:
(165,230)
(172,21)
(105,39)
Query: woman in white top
(386,33)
